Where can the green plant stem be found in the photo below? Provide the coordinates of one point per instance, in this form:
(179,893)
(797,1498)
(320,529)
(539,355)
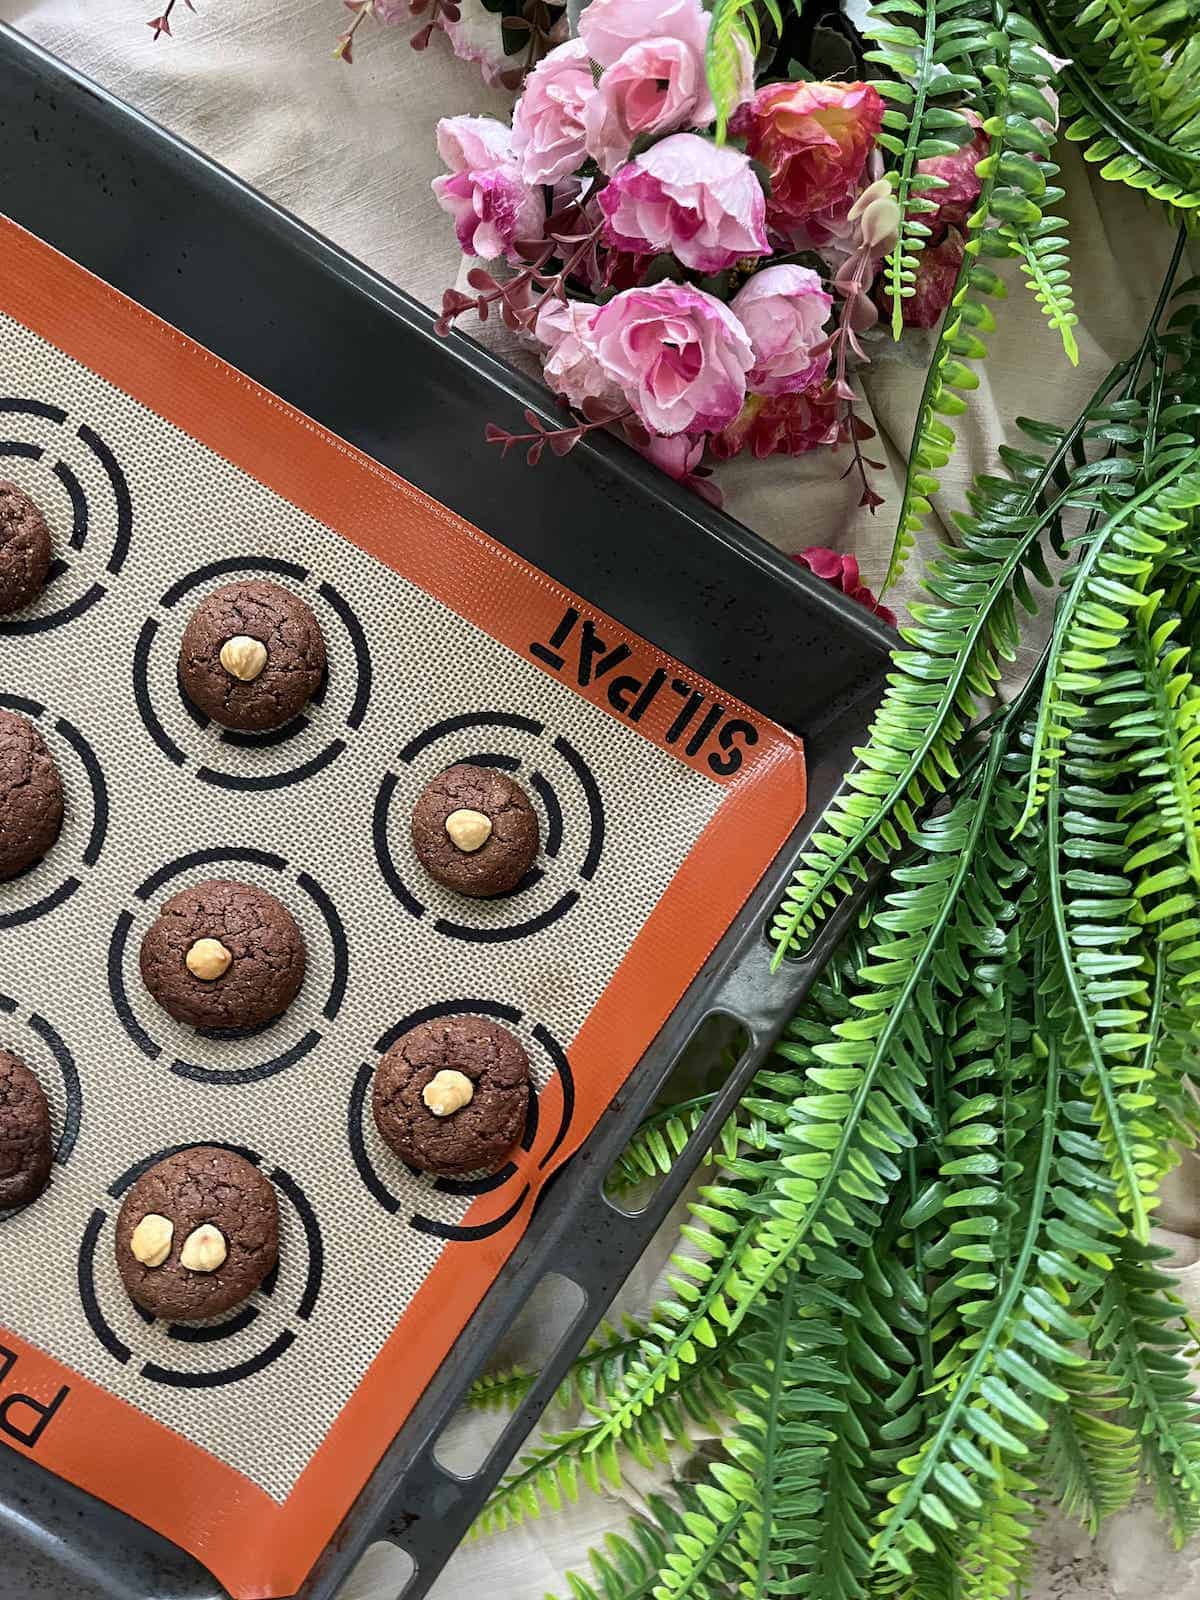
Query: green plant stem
(769,1486)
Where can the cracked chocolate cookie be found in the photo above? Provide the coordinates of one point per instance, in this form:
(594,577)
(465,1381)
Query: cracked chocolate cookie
(197,1233)
(31,796)
(452,1094)
(25,1148)
(252,656)
(223,955)
(24,549)
(475,831)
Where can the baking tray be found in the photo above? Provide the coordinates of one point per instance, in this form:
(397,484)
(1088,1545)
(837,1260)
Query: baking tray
(210,256)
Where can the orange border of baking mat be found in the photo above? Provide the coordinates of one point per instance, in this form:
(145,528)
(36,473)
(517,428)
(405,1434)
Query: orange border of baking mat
(256,1547)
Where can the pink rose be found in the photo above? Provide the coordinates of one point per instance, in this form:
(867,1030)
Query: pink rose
(957,197)
(492,207)
(784,310)
(609,27)
(784,424)
(547,132)
(679,355)
(570,366)
(697,199)
(654,87)
(652,52)
(815,139)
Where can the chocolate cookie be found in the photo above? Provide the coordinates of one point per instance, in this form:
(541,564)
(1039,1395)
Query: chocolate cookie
(24,549)
(451,1095)
(25,1149)
(197,1234)
(31,796)
(252,656)
(223,955)
(475,831)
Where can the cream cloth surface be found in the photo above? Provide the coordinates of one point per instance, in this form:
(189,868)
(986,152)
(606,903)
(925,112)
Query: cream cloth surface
(351,151)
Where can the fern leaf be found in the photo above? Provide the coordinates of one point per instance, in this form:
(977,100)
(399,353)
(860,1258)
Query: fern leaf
(1103,589)
(1041,252)
(1137,1337)
(958,643)
(1091,1457)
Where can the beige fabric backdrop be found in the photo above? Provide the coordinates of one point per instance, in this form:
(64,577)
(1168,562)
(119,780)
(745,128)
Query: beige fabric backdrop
(351,151)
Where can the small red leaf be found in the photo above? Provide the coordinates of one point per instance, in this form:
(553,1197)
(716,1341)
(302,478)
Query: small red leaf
(534,453)
(160,25)
(481,278)
(494,433)
(420,39)
(563,442)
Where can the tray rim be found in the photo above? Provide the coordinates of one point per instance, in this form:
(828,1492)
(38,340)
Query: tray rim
(407,1492)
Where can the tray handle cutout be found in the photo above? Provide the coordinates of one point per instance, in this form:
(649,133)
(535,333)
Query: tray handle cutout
(432,1510)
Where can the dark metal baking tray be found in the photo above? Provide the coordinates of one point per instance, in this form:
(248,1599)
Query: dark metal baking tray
(211,256)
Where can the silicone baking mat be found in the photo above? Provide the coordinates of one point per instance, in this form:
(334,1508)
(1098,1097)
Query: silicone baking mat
(165,473)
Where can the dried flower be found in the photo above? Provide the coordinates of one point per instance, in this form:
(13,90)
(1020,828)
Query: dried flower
(679,355)
(698,200)
(784,310)
(493,208)
(162,24)
(815,139)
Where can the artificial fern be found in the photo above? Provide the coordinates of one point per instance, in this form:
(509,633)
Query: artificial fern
(944,60)
(921,1296)
(911,39)
(1131,96)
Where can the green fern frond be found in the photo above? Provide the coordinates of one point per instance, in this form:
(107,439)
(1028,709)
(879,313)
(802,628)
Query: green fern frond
(959,642)
(1165,725)
(1137,1336)
(552,1471)
(1091,1455)
(997,1552)
(627,1568)
(987,1415)
(1124,29)
(912,41)
(1104,588)
(1041,251)
(1016,78)
(1129,99)
(661,1139)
